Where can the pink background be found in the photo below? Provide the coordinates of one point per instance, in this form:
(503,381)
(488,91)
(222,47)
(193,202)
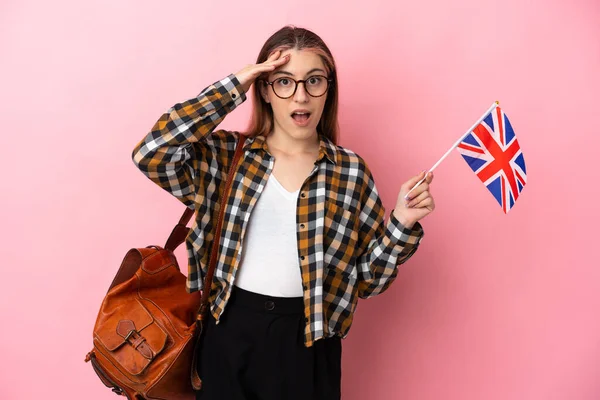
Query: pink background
(492,306)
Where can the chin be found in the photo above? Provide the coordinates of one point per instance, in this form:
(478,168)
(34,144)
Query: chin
(299,132)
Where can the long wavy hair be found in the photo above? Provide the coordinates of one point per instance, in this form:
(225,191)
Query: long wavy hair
(291,37)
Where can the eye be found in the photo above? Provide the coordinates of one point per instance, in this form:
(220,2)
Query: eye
(314,80)
(283,81)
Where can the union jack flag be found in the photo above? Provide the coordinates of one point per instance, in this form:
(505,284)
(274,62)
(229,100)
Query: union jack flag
(493,153)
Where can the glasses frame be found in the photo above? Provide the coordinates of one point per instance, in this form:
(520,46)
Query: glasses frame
(296,82)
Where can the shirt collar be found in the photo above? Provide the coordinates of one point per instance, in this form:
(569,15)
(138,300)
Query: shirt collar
(326,147)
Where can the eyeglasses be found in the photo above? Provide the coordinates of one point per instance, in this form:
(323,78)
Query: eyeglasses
(315,85)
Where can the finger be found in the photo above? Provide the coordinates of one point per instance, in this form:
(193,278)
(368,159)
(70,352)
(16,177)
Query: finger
(426,203)
(266,67)
(270,66)
(413,181)
(274,56)
(418,199)
(417,191)
(429,177)
(280,61)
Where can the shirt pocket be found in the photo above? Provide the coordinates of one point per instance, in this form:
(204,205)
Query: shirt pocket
(340,234)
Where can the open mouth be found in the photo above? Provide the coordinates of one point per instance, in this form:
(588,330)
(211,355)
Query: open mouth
(301,117)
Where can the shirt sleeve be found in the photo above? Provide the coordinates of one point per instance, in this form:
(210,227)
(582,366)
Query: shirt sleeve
(381,247)
(167,154)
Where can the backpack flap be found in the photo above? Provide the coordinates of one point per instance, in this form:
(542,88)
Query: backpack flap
(132,337)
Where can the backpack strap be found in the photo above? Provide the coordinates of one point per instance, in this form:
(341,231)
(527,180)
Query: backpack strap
(180,231)
(204,306)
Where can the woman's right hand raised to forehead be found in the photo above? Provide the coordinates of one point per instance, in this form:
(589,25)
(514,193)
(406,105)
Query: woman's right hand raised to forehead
(248,74)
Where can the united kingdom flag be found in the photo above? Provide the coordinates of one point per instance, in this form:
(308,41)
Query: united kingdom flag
(493,153)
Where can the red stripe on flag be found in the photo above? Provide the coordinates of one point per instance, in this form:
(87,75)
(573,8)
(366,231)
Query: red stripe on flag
(501,158)
(471,148)
(500,127)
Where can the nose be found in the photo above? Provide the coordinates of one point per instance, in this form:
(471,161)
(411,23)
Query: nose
(300,96)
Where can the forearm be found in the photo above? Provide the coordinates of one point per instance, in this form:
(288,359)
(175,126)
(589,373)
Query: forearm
(167,155)
(392,246)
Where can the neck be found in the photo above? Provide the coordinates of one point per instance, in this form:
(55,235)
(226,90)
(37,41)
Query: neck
(280,140)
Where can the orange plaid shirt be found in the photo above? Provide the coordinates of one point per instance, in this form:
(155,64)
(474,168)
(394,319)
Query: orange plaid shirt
(345,251)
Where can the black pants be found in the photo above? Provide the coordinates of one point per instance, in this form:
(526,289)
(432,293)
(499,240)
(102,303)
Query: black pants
(257,352)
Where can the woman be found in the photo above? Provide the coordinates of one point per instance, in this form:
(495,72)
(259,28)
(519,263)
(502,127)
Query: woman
(303,236)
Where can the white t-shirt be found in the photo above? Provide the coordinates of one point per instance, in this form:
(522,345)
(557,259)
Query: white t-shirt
(269,261)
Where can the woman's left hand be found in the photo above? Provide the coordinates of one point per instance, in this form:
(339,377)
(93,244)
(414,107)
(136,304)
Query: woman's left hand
(418,204)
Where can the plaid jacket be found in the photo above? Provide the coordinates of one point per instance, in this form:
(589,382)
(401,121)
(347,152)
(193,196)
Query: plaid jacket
(345,251)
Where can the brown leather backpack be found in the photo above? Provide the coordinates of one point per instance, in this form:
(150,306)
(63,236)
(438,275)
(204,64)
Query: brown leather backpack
(148,329)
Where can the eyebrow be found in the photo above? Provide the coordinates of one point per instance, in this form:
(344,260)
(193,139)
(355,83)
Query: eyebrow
(290,74)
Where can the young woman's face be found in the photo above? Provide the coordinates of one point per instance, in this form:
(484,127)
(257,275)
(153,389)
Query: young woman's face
(299,114)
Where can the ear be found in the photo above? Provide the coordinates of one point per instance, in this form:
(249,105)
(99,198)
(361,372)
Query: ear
(264,91)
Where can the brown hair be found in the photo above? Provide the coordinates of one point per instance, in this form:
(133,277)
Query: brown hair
(291,37)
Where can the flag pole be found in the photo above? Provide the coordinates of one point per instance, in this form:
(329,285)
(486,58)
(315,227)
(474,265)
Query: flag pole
(496,103)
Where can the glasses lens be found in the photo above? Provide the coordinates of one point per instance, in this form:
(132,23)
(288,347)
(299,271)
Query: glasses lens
(284,87)
(316,85)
